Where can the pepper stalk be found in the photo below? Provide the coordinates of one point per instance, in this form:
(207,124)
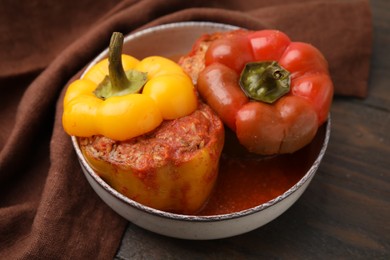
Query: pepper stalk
(119,82)
(265,81)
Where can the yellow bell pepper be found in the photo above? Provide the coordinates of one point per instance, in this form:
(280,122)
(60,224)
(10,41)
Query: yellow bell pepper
(121,97)
(198,176)
(132,100)
(181,188)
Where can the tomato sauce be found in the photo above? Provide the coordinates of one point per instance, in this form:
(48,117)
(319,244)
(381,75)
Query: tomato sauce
(246,180)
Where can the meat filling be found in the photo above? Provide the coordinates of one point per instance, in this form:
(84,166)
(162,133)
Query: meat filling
(174,141)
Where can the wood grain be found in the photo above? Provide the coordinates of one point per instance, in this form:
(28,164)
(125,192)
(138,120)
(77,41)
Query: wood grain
(345,212)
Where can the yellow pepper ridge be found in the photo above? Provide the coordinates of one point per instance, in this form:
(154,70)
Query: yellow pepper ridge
(167,93)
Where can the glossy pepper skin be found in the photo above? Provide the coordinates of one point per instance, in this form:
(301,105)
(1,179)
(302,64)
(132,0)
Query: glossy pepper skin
(167,93)
(183,193)
(180,180)
(139,142)
(269,126)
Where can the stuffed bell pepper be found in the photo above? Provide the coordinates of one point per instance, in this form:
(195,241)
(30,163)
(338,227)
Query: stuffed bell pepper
(142,128)
(272,92)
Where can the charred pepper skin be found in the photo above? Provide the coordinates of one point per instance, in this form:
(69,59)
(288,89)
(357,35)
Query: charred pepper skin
(273,92)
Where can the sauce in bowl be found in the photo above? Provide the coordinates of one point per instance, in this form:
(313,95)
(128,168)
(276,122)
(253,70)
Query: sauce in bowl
(247,180)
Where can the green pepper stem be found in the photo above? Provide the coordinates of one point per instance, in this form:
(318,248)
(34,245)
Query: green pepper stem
(265,81)
(270,74)
(117,74)
(119,82)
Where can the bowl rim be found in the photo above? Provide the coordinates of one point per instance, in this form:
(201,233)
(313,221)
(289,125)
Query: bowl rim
(141,32)
(195,218)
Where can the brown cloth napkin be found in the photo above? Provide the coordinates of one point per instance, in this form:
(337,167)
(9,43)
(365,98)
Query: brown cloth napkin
(47,209)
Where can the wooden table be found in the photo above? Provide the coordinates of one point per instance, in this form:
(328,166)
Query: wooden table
(345,212)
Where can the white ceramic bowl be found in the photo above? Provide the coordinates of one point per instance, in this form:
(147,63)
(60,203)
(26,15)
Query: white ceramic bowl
(172,40)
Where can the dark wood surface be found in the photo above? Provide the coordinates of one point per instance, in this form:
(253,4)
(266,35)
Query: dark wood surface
(344,213)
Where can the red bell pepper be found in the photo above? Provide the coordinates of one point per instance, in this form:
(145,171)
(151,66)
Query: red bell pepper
(274,93)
